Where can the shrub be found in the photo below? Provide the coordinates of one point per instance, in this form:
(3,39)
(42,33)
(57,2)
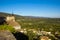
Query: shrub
(7,27)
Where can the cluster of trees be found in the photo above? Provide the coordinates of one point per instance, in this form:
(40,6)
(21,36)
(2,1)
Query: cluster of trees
(46,24)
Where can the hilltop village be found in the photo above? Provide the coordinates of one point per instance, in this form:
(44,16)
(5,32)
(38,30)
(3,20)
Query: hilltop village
(34,33)
(10,20)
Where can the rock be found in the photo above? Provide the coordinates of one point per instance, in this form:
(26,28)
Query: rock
(6,35)
(2,20)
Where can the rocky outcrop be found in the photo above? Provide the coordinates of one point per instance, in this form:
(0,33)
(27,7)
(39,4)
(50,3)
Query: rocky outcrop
(6,35)
(2,20)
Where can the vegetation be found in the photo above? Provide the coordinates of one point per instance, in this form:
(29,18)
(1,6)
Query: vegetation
(46,24)
(7,27)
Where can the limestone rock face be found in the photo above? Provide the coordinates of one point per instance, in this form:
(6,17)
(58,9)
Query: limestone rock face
(6,35)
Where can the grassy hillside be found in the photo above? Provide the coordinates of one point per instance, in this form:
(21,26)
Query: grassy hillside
(29,22)
(36,22)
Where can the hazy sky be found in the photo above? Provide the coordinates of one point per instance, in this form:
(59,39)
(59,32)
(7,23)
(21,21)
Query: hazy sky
(42,8)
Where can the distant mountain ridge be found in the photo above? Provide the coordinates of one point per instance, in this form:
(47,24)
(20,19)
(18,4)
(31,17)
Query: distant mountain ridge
(6,14)
(19,16)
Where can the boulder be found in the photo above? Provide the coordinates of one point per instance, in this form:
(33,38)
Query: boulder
(6,35)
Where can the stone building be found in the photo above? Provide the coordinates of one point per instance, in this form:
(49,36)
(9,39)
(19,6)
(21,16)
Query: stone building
(12,22)
(10,18)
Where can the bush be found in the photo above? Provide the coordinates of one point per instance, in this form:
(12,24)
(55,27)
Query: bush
(7,27)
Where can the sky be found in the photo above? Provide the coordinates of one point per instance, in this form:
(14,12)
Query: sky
(39,8)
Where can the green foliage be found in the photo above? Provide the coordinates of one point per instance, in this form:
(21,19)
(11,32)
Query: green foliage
(7,27)
(51,24)
(31,35)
